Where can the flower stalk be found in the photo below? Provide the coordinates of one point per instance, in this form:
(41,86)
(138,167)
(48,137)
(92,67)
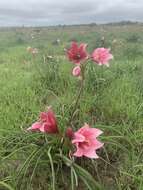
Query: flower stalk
(80,91)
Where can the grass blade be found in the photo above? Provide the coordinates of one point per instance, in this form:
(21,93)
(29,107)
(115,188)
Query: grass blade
(6,185)
(52,168)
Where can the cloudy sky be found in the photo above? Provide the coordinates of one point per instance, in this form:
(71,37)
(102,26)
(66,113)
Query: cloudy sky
(53,12)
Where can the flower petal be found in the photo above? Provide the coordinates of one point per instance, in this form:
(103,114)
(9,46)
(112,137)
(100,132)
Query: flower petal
(78,153)
(96,132)
(78,138)
(90,154)
(96,144)
(35,127)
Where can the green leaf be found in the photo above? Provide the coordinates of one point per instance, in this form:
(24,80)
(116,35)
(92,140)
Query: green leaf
(83,174)
(6,185)
(52,168)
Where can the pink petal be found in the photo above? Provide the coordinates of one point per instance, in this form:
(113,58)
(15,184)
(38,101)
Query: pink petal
(42,128)
(43,116)
(84,128)
(45,128)
(96,144)
(96,132)
(35,126)
(78,138)
(90,154)
(52,119)
(78,153)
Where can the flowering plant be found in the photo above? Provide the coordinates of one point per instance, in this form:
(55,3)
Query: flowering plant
(79,142)
(84,139)
(57,142)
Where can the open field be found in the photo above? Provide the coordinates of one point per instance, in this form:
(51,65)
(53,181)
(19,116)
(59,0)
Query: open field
(112,101)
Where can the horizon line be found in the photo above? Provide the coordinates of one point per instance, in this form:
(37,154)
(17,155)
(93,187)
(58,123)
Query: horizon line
(68,25)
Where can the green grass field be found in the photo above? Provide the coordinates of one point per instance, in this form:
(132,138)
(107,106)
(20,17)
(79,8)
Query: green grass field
(112,101)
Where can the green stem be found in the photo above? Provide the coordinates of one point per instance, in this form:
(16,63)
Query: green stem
(79,92)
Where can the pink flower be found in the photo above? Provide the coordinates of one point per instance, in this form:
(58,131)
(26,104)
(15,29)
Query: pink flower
(46,124)
(76,71)
(102,56)
(77,53)
(85,140)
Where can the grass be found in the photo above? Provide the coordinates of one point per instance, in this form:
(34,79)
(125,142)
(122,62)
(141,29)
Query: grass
(112,101)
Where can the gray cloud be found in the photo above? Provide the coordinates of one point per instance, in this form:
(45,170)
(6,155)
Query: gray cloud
(51,12)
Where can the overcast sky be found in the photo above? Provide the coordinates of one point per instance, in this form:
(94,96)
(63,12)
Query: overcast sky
(53,12)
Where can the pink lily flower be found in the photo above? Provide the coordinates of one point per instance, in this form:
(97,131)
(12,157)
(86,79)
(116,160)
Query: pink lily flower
(102,56)
(85,140)
(46,124)
(76,53)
